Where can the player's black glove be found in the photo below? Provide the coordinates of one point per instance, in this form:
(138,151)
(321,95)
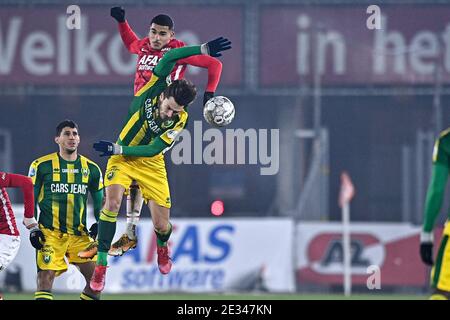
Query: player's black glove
(108,148)
(118,13)
(426,248)
(207,96)
(37,238)
(213,47)
(93,230)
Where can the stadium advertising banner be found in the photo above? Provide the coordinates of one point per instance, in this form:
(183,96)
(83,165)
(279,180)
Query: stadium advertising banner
(44,51)
(209,255)
(392,249)
(410,42)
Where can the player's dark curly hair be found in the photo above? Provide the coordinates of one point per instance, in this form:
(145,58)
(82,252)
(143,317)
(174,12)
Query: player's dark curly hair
(182,90)
(65,123)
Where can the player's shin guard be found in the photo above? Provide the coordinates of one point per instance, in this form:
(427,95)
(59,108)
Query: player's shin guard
(106,231)
(43,295)
(85,296)
(163,237)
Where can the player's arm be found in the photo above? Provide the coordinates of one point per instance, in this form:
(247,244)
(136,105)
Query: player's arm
(214,67)
(434,198)
(161,143)
(211,48)
(37,237)
(129,38)
(25,184)
(155,147)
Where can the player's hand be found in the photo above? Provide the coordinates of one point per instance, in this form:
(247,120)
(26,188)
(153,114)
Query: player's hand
(93,230)
(108,148)
(207,96)
(426,248)
(213,47)
(37,238)
(118,13)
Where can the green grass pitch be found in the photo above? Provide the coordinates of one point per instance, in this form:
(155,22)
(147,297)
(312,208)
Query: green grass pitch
(204,296)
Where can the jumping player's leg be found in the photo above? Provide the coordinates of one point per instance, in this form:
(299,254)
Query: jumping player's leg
(129,240)
(108,220)
(134,207)
(163,230)
(106,231)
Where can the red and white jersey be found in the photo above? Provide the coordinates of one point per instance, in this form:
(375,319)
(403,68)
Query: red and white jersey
(7,220)
(148,58)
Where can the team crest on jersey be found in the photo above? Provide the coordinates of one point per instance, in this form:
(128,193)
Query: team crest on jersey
(167,124)
(85,172)
(47,254)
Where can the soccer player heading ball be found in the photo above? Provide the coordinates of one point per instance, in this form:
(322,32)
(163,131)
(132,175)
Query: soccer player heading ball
(160,40)
(156,116)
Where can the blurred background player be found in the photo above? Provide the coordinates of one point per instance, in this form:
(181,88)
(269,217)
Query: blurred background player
(440,274)
(9,234)
(156,116)
(62,181)
(160,40)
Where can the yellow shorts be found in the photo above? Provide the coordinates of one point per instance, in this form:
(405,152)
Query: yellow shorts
(440,274)
(59,245)
(149,173)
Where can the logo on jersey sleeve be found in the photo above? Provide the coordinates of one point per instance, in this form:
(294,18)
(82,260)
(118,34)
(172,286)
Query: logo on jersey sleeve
(172,134)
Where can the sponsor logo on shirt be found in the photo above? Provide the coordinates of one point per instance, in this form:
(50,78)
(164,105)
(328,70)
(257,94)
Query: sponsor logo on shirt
(70,170)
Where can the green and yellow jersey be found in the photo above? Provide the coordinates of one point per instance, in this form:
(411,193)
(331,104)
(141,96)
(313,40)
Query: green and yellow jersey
(144,134)
(61,191)
(439,177)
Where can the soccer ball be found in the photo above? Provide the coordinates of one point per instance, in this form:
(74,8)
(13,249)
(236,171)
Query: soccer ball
(218,111)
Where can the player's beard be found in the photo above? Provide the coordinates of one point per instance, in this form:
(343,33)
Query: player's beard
(71,150)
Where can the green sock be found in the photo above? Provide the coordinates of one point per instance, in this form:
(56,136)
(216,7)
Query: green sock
(106,231)
(162,238)
(161,243)
(102,258)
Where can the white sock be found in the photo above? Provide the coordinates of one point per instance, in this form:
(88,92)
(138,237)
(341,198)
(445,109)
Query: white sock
(132,221)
